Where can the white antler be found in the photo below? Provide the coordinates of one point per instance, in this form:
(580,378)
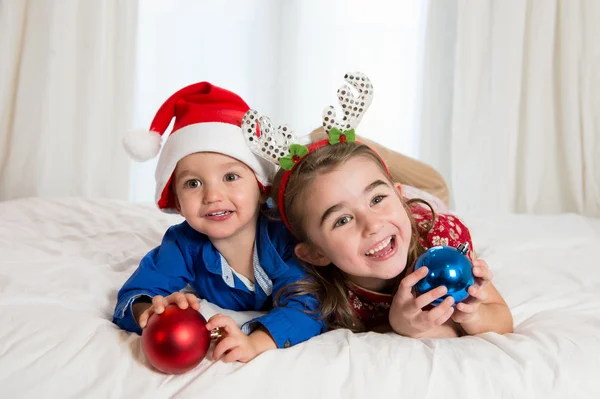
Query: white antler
(268,142)
(353,107)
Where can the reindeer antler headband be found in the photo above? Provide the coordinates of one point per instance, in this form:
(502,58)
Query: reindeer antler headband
(280,145)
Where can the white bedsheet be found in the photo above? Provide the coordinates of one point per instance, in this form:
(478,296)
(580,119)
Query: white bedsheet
(62,262)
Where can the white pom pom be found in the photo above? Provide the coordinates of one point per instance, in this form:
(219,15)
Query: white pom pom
(142,145)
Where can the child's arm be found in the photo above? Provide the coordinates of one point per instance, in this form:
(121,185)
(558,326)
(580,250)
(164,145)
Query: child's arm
(142,310)
(449,329)
(485,310)
(162,271)
(407,316)
(295,318)
(237,346)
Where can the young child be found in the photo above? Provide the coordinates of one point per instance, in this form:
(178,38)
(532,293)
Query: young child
(226,250)
(361,238)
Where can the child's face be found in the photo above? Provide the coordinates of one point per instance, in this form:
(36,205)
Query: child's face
(356,220)
(216,194)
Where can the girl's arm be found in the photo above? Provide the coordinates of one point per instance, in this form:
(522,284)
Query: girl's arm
(485,310)
(449,329)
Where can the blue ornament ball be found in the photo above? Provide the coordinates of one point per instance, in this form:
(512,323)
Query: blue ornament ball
(447,266)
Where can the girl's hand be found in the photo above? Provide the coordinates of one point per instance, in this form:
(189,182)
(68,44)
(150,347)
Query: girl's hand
(467,311)
(407,316)
(235,346)
(159,303)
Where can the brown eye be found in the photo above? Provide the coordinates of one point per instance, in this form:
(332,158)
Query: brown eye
(342,221)
(193,183)
(231,177)
(377,199)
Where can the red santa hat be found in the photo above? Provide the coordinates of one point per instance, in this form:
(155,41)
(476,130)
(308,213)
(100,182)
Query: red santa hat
(207,119)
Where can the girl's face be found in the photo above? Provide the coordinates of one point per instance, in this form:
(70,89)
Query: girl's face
(356,220)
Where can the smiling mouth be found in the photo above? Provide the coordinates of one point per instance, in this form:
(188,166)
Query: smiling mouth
(383,248)
(221,213)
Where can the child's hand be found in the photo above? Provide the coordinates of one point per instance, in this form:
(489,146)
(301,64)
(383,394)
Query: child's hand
(406,315)
(468,310)
(159,303)
(235,346)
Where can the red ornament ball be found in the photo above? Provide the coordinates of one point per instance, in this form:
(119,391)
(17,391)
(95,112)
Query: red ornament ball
(176,340)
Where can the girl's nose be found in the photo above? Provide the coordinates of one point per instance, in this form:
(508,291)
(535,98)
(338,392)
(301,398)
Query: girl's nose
(372,224)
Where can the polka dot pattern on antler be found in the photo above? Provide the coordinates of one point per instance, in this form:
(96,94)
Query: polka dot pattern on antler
(353,107)
(264,139)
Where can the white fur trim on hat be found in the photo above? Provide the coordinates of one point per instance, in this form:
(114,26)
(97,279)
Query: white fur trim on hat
(142,145)
(223,138)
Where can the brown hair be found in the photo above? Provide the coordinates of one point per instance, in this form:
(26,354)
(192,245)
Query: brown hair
(328,283)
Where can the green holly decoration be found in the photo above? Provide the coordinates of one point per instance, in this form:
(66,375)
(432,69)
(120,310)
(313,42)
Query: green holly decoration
(337,136)
(297,151)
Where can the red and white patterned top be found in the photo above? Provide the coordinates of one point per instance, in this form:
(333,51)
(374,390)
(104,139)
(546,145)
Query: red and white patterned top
(371,307)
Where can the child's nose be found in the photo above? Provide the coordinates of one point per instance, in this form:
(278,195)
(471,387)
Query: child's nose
(372,225)
(212,194)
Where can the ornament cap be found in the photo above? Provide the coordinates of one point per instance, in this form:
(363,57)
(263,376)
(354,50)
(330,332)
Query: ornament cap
(216,334)
(463,248)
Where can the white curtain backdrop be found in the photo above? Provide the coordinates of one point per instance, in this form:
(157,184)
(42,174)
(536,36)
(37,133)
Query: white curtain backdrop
(285,58)
(511,103)
(66,97)
(508,108)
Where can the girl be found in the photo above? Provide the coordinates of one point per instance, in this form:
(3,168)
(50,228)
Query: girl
(361,238)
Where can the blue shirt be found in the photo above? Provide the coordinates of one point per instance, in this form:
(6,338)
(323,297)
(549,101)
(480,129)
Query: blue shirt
(187,257)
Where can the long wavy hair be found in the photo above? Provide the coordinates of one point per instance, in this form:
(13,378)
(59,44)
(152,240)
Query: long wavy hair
(329,284)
